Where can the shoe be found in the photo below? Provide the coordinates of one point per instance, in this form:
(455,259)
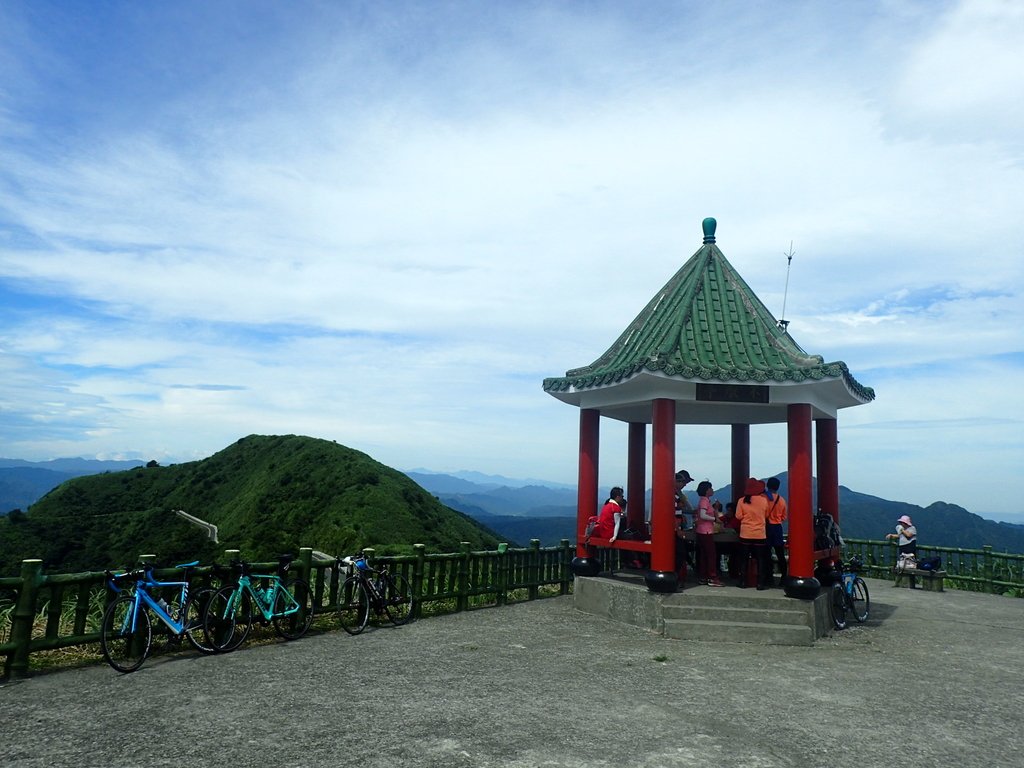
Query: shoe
(761,587)
(702,582)
(715,583)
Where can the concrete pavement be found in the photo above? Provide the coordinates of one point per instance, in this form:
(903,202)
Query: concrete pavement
(932,679)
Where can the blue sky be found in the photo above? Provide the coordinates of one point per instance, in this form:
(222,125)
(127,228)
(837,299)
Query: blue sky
(386,223)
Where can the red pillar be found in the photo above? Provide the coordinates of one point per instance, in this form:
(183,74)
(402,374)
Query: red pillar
(740,459)
(586,491)
(662,576)
(827,444)
(636,473)
(801,523)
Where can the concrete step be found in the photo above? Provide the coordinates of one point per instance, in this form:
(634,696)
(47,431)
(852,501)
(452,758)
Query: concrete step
(743,598)
(739,613)
(739,632)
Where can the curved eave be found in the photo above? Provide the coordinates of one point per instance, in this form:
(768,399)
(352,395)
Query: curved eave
(628,397)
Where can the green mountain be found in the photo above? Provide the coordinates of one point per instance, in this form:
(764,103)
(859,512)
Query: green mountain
(266,495)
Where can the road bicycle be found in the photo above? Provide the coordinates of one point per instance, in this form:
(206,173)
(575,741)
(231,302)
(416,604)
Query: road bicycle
(387,594)
(849,595)
(126,635)
(287,605)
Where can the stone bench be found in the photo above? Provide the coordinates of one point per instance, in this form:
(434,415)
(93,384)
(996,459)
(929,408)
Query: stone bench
(933,581)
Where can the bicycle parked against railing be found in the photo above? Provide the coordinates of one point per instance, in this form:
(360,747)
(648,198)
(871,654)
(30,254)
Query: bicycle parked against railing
(387,593)
(288,605)
(126,635)
(849,595)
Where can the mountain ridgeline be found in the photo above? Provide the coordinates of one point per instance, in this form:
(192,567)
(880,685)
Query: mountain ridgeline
(549,514)
(273,494)
(266,495)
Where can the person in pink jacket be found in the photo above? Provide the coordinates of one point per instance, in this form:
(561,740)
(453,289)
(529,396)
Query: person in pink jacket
(707,559)
(752,512)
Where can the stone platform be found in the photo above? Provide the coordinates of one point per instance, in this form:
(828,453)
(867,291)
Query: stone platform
(716,614)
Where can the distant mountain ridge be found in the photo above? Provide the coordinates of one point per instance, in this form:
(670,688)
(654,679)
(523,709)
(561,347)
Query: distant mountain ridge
(550,514)
(513,510)
(23,483)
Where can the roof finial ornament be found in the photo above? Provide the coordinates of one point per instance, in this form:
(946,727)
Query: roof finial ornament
(709,225)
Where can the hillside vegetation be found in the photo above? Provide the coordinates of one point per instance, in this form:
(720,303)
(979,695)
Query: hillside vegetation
(266,494)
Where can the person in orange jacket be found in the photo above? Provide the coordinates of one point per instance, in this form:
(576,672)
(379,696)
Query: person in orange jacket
(752,512)
(777,514)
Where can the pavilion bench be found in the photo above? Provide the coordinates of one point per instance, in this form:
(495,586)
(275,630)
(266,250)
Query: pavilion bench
(932,581)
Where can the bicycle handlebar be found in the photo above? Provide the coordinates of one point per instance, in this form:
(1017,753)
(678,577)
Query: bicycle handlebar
(114,580)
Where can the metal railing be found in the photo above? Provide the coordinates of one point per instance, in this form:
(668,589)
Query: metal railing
(975,570)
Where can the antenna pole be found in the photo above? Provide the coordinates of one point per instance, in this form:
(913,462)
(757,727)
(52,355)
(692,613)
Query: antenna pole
(783,323)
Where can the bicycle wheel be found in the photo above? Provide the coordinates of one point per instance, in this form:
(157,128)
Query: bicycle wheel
(228,618)
(860,602)
(195,609)
(837,605)
(397,597)
(353,606)
(293,594)
(123,648)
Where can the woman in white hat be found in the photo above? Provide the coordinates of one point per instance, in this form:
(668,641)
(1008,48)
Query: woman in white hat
(906,536)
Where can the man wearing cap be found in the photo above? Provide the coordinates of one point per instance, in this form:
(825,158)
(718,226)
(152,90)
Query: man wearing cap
(683,505)
(683,508)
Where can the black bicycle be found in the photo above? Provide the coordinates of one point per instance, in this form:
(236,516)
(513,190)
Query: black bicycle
(366,588)
(849,595)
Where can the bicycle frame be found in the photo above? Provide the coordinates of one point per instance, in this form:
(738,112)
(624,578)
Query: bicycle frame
(141,597)
(370,578)
(848,579)
(266,601)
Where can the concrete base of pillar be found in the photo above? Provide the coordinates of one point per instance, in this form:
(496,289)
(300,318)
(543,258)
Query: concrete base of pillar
(661,581)
(803,589)
(585,566)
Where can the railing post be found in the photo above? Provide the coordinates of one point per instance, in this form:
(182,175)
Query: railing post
(232,555)
(24,617)
(418,570)
(987,568)
(565,574)
(305,563)
(533,590)
(462,586)
(502,585)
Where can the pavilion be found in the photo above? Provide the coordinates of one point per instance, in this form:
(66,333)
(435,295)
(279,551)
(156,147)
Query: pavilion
(705,350)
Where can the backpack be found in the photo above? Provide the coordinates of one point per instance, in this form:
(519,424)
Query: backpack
(826,533)
(930,564)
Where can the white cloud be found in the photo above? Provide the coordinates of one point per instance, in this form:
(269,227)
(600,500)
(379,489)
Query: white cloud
(389,231)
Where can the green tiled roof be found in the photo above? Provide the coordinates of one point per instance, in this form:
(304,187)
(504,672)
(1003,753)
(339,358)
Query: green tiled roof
(706,325)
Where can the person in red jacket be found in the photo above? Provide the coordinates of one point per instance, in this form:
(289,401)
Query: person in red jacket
(612,512)
(752,512)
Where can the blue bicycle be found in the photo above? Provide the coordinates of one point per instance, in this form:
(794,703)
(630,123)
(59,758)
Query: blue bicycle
(849,595)
(126,636)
